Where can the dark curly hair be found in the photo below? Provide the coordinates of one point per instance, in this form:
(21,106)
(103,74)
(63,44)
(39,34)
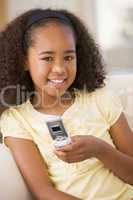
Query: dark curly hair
(16,38)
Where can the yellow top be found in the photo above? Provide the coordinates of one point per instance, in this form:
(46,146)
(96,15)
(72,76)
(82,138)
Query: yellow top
(91,113)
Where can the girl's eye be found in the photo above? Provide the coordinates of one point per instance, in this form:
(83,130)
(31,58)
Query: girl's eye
(48,59)
(68,58)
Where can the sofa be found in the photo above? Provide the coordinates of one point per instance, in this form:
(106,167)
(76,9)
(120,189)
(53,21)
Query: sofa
(12,185)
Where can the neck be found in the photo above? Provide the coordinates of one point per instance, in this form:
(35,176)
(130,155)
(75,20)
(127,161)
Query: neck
(52,103)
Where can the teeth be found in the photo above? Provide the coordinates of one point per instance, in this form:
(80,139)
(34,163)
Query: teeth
(57,81)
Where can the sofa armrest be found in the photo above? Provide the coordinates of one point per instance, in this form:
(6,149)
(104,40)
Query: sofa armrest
(12,185)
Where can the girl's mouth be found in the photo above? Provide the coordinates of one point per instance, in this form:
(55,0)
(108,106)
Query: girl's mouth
(57,82)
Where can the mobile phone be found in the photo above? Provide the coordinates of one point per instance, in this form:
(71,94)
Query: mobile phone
(58,133)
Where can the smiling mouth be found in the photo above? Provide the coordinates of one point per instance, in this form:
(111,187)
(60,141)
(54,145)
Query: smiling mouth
(57,82)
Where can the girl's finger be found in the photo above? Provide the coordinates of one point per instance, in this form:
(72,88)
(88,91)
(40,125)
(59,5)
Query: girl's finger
(66,148)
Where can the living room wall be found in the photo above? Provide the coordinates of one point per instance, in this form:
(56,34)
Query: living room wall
(118,58)
(3,15)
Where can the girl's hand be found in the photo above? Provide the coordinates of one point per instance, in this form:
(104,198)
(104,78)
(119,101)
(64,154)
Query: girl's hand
(81,148)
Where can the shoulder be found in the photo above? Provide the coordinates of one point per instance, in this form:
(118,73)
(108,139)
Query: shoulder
(14,111)
(103,92)
(13,123)
(107,97)
(109,104)
(102,95)
(105,101)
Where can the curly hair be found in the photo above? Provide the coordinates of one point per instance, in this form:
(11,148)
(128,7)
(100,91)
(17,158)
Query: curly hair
(16,38)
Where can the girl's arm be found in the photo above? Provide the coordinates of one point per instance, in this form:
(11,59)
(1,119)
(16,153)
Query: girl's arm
(119,160)
(34,170)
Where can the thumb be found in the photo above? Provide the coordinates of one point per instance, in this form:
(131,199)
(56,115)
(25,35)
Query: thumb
(75,138)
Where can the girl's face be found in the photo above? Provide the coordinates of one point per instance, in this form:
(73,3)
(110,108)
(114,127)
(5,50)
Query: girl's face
(51,59)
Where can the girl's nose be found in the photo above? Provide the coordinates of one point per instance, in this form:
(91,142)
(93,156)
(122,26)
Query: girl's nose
(58,68)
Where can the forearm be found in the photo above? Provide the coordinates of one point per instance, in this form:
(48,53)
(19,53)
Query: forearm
(120,163)
(52,193)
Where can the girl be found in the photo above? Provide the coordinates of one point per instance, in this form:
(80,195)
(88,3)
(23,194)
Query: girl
(51,58)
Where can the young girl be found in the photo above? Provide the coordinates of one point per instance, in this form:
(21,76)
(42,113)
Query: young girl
(51,58)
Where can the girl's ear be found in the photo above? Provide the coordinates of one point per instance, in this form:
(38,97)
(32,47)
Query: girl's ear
(26,66)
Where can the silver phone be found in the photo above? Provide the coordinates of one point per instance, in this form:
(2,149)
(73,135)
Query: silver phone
(58,133)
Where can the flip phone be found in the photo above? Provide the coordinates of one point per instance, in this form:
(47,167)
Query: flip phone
(58,133)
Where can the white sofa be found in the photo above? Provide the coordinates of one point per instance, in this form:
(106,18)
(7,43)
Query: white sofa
(12,186)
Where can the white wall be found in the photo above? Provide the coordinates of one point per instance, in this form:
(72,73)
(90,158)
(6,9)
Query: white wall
(17,6)
(111,24)
(102,17)
(110,21)
(82,8)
